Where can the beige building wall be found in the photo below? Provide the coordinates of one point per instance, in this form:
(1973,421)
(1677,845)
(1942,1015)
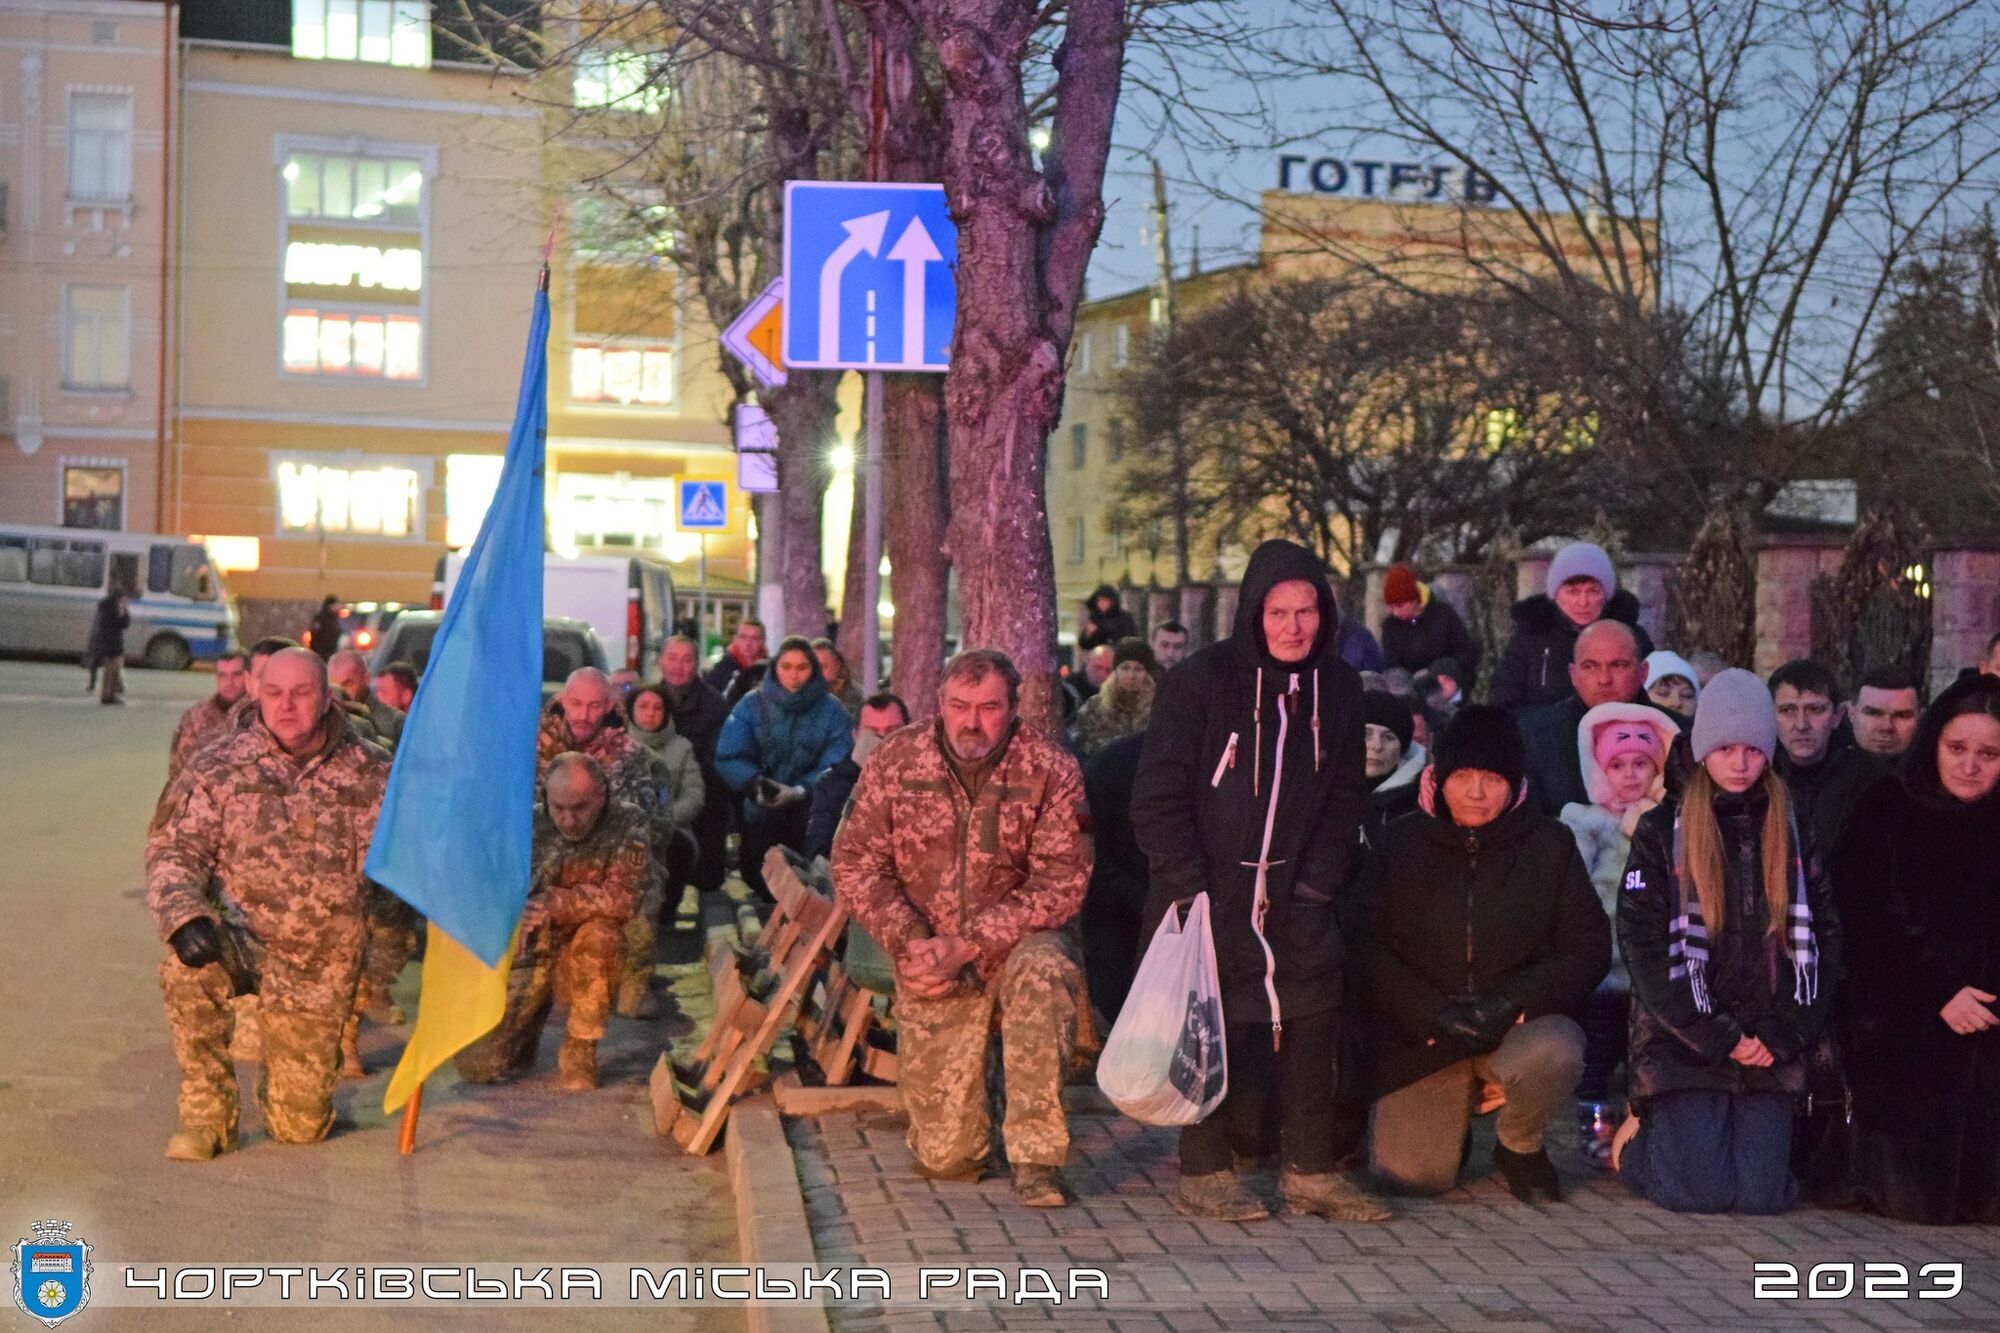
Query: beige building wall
(492,190)
(82,110)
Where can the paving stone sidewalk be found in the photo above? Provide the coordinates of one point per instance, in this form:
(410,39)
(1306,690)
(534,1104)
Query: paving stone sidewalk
(1473,1259)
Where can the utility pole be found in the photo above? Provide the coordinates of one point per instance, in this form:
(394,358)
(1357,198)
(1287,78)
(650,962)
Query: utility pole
(871,460)
(1164,324)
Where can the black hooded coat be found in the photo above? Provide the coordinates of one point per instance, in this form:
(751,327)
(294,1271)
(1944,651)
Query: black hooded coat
(1103,629)
(1207,774)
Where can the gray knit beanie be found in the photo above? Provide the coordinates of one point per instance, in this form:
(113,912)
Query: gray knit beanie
(1582,560)
(1735,709)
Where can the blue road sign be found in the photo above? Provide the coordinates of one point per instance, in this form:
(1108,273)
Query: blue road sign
(704,506)
(871,277)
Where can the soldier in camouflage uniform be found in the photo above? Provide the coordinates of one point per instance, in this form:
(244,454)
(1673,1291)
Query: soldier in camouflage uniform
(964,853)
(591,862)
(253,878)
(585,718)
(204,721)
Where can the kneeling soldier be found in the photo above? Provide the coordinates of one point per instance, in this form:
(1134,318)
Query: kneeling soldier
(591,861)
(253,877)
(964,854)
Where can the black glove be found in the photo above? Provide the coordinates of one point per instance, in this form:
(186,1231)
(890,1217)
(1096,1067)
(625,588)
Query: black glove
(197,943)
(1476,1023)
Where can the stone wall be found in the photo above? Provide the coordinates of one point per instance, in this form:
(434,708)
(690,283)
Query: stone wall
(1965,610)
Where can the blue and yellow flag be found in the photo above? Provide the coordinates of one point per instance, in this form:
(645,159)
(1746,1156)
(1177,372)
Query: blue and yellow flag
(454,839)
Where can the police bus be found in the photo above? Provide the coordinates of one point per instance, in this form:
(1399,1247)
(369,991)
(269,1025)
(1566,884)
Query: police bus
(51,580)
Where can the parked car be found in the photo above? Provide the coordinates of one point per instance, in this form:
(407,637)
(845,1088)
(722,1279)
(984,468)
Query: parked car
(566,645)
(362,624)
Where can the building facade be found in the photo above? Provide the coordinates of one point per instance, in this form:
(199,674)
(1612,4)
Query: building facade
(84,224)
(365,199)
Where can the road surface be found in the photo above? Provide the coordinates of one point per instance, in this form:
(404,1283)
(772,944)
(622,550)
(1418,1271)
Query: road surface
(521,1174)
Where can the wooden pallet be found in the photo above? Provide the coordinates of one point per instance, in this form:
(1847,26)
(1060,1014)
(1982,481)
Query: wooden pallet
(756,996)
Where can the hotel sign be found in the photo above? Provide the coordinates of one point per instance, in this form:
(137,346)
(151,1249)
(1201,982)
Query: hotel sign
(1404,182)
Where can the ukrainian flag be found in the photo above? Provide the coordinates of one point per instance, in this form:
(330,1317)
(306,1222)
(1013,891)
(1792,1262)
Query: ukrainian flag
(456,826)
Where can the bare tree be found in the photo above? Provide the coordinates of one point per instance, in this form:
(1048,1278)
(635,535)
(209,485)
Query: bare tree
(1711,198)
(1367,426)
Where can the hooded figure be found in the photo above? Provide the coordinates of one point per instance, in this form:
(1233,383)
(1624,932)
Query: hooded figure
(1104,621)
(1603,826)
(1251,790)
(774,746)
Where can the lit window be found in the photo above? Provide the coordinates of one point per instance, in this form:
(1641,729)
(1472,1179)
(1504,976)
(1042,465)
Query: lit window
(361,502)
(93,497)
(618,81)
(340,342)
(97,350)
(100,148)
(621,374)
(386,191)
(381,32)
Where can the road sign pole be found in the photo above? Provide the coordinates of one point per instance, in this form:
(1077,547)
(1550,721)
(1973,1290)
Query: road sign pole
(701,622)
(871,534)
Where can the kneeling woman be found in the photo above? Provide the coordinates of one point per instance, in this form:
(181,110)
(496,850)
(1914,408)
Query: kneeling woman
(1730,940)
(1915,881)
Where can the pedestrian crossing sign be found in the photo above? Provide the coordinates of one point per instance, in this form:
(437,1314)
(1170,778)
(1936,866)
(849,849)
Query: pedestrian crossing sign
(704,506)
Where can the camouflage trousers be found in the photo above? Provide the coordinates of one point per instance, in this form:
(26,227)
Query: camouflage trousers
(636,967)
(392,938)
(304,1003)
(944,1049)
(576,965)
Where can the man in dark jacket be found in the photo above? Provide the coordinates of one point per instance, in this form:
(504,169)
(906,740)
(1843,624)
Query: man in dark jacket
(1104,620)
(745,652)
(1817,757)
(698,715)
(1114,906)
(106,650)
(880,714)
(1486,942)
(1606,669)
(1251,790)
(324,637)
(1582,589)
(1422,629)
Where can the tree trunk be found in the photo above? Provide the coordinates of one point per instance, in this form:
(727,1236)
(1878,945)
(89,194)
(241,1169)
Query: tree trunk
(1024,241)
(803,411)
(915,518)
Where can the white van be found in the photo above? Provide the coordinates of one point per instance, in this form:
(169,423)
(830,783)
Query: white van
(51,580)
(628,600)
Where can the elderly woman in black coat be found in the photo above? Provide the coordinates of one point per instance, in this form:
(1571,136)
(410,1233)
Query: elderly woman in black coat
(1917,878)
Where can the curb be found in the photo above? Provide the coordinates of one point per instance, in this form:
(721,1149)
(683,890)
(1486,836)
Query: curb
(771,1223)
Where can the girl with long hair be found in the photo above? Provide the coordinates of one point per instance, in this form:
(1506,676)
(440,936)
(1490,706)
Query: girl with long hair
(1730,939)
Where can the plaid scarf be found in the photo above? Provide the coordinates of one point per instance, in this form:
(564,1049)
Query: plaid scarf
(1687,936)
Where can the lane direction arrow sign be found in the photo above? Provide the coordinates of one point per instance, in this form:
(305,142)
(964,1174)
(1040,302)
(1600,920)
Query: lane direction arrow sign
(856,299)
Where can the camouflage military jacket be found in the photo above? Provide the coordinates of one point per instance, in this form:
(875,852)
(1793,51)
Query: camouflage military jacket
(627,765)
(272,840)
(601,876)
(198,726)
(916,856)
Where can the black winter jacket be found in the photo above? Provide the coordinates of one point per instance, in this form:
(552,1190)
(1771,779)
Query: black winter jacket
(1915,881)
(1824,793)
(1207,772)
(1436,632)
(1096,629)
(1534,669)
(1503,910)
(1675,1047)
(107,629)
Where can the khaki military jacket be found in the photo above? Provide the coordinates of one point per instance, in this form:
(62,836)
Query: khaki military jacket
(199,725)
(916,856)
(601,876)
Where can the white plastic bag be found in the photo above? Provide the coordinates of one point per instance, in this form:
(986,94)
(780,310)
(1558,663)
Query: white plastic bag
(1164,1063)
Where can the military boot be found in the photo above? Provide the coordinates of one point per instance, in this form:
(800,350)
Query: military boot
(1219,1196)
(1329,1195)
(576,1065)
(350,1049)
(198,1143)
(636,998)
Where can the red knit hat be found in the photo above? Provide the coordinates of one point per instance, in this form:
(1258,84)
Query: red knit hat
(1399,585)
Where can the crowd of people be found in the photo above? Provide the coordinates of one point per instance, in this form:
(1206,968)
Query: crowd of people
(1745,933)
